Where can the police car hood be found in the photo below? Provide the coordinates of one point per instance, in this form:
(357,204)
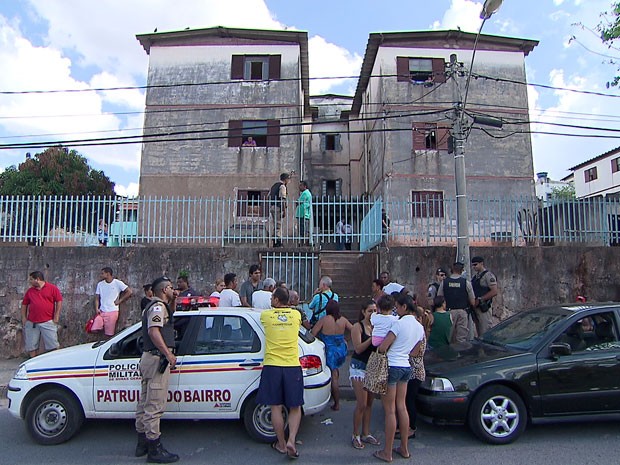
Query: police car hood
(74,355)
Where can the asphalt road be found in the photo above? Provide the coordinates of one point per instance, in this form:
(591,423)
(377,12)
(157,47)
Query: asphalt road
(226,443)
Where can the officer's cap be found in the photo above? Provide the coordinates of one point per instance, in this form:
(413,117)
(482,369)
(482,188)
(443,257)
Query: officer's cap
(158,281)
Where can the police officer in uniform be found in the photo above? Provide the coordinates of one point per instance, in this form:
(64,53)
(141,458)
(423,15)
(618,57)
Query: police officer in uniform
(459,296)
(485,288)
(157,360)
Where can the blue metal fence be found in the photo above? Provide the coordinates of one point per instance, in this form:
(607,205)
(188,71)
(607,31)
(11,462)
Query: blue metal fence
(213,221)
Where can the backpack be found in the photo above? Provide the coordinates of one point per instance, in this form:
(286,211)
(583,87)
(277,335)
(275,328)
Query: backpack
(315,313)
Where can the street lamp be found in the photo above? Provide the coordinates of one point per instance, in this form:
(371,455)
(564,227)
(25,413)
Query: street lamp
(458,132)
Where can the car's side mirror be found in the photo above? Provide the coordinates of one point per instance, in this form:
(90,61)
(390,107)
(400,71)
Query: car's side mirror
(114,350)
(560,348)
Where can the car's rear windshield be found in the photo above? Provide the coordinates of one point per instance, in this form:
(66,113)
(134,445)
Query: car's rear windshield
(306,335)
(524,330)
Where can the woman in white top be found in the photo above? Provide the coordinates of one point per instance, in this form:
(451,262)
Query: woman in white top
(405,333)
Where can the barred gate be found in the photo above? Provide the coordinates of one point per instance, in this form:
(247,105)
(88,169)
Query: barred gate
(300,271)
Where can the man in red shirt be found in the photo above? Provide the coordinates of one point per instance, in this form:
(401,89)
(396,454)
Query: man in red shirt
(40,313)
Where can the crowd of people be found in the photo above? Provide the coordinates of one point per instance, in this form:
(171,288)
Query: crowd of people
(392,322)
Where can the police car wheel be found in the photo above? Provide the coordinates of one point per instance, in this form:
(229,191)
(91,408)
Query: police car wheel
(53,417)
(257,420)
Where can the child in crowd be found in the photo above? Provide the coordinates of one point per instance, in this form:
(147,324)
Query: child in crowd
(441,330)
(382,320)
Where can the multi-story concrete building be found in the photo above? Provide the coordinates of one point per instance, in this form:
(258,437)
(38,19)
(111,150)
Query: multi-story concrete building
(224,109)
(405,100)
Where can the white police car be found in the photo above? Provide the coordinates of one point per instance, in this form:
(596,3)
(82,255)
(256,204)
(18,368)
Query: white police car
(219,361)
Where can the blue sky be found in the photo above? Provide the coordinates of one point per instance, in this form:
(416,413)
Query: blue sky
(81,44)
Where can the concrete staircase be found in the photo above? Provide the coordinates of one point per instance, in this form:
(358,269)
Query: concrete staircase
(352,273)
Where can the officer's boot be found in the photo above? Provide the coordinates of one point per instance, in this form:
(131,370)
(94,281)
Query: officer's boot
(157,453)
(142,447)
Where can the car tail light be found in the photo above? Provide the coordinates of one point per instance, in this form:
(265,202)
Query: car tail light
(311,364)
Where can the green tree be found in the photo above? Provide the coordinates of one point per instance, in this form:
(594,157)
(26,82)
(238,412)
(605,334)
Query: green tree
(564,193)
(55,171)
(609,28)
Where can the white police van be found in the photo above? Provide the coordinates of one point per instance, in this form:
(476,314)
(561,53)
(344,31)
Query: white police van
(219,362)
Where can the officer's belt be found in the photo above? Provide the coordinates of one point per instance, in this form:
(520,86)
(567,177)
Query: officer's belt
(158,353)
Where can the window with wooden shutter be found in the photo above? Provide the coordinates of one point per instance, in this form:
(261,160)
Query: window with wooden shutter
(235,133)
(430,136)
(402,69)
(254,133)
(591,174)
(255,67)
(615,165)
(274,66)
(439,70)
(273,133)
(420,70)
(427,204)
(236,67)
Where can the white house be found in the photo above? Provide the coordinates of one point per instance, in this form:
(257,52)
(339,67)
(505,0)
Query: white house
(599,176)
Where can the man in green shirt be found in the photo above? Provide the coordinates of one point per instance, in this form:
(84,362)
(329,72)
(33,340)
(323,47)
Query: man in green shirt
(303,212)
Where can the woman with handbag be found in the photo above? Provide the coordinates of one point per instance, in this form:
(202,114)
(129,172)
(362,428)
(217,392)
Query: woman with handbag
(404,335)
(362,348)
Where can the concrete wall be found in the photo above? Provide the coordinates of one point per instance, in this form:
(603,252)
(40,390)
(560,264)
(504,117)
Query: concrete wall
(528,277)
(76,272)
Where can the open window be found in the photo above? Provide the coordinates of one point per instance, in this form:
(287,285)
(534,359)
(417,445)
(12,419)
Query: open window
(255,67)
(330,142)
(430,136)
(254,133)
(252,203)
(421,70)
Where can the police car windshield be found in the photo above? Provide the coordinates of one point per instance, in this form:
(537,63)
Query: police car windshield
(526,329)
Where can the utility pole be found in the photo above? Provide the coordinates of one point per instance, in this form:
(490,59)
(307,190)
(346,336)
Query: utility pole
(458,137)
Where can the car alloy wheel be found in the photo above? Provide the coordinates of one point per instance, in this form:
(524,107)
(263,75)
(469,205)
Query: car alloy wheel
(497,415)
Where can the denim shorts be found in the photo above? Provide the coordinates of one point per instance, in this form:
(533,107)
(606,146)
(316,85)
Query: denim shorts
(398,375)
(357,369)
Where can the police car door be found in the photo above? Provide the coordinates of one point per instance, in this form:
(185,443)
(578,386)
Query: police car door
(117,375)
(224,362)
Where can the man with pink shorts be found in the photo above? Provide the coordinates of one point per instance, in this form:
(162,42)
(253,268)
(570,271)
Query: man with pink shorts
(110,293)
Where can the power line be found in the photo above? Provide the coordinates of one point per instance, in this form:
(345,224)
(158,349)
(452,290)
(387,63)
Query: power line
(150,138)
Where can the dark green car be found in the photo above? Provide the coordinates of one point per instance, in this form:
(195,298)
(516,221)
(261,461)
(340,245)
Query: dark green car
(542,364)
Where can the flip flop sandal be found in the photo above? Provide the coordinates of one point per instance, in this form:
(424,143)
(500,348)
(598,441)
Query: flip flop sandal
(370,439)
(292,453)
(356,442)
(274,446)
(399,453)
(377,456)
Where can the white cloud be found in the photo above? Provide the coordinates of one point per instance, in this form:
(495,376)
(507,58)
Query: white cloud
(327,59)
(102,32)
(557,154)
(127,191)
(463,14)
